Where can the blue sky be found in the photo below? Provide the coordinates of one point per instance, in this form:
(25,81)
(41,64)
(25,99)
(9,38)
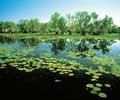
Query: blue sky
(15,10)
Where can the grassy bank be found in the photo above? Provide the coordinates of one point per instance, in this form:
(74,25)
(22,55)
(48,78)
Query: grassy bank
(51,35)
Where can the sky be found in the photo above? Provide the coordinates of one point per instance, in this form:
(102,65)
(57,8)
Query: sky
(14,10)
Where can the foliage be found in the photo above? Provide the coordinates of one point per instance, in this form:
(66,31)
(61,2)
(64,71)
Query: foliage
(102,95)
(29,26)
(8,27)
(80,22)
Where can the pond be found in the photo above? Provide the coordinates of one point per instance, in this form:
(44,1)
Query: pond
(90,60)
(83,51)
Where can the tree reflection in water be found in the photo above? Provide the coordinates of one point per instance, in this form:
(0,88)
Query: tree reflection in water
(81,45)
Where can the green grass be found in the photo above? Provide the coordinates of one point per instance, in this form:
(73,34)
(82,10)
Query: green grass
(52,35)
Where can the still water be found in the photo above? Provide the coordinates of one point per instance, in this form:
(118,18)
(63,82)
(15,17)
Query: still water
(67,48)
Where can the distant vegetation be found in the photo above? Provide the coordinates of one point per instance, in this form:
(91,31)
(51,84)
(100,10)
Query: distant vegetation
(80,22)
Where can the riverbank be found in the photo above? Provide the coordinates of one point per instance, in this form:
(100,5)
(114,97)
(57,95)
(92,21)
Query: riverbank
(52,36)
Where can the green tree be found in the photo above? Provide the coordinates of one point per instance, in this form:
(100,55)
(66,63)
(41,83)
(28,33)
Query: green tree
(54,22)
(71,24)
(94,24)
(45,28)
(1,26)
(107,24)
(24,26)
(62,24)
(94,17)
(8,27)
(83,20)
(80,22)
(34,26)
(115,29)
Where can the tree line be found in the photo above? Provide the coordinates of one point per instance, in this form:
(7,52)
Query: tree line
(79,22)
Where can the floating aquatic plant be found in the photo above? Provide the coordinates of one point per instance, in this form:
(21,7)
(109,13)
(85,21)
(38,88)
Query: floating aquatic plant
(90,85)
(98,84)
(96,88)
(102,95)
(57,81)
(107,85)
(93,92)
(71,74)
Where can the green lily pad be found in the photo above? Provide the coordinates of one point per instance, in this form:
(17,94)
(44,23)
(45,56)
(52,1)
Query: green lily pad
(93,92)
(102,95)
(54,71)
(98,84)
(87,73)
(71,74)
(90,85)
(107,85)
(97,89)
(93,79)
(51,69)
(57,81)
(61,73)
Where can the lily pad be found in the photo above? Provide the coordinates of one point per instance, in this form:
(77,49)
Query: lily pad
(93,92)
(102,95)
(98,84)
(97,89)
(107,85)
(90,85)
(71,74)
(57,81)
(93,79)
(87,73)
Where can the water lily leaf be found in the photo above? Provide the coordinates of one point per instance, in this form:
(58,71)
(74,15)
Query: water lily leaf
(90,85)
(107,85)
(71,74)
(57,81)
(97,89)
(98,84)
(102,95)
(93,92)
(93,79)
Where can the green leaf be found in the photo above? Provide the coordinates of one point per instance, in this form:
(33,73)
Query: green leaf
(102,95)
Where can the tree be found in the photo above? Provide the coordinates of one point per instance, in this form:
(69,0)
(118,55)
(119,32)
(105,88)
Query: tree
(1,26)
(24,26)
(97,27)
(83,20)
(94,17)
(79,22)
(94,24)
(54,22)
(8,27)
(45,27)
(71,24)
(62,24)
(107,24)
(34,26)
(115,29)
(11,26)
